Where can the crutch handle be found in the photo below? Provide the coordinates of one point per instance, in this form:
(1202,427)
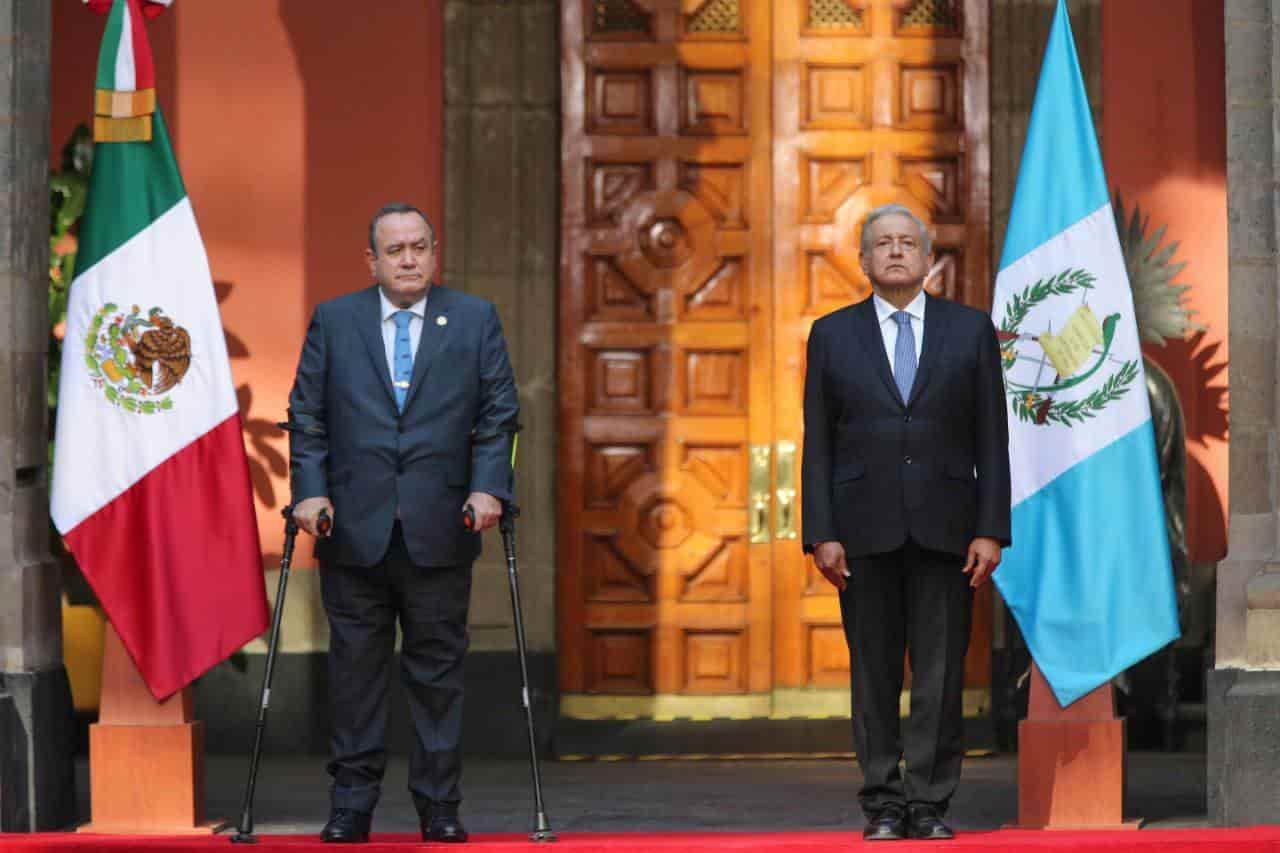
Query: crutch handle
(469,517)
(324,524)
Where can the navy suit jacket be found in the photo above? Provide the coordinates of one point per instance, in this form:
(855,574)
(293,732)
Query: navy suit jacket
(878,469)
(454,436)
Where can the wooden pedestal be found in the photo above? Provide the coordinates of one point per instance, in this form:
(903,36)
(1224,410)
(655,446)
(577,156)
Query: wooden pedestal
(146,758)
(1071,762)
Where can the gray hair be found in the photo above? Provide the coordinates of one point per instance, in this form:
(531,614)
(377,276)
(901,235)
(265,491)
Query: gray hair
(389,210)
(926,242)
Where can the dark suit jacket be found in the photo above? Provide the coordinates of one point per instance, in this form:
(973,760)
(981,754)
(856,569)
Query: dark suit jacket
(878,469)
(453,438)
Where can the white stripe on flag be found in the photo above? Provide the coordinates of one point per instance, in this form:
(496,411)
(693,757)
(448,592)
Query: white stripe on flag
(1040,453)
(164,266)
(126,79)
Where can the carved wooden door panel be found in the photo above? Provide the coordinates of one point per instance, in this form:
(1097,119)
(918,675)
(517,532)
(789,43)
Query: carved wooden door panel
(875,101)
(718,158)
(664,357)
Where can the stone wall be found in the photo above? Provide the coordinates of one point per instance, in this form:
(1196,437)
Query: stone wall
(1244,686)
(1019,31)
(502,208)
(35,699)
(1251,221)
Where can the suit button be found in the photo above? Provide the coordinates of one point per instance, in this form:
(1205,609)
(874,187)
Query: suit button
(906,459)
(399,469)
(907,419)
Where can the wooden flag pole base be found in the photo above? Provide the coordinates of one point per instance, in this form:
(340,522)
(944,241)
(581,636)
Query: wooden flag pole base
(1071,761)
(146,758)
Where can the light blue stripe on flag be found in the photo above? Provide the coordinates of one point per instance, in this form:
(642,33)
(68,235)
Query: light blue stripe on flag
(1088,578)
(1061,175)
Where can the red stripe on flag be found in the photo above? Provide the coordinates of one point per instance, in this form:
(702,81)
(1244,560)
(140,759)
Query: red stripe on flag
(143,63)
(176,563)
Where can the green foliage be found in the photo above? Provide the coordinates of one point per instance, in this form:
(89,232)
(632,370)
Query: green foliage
(1022,303)
(69,190)
(1035,408)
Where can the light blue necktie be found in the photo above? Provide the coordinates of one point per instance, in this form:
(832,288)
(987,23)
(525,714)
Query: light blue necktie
(402,358)
(904,355)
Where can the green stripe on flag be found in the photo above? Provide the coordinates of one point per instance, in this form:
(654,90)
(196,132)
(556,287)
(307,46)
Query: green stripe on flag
(132,185)
(111,46)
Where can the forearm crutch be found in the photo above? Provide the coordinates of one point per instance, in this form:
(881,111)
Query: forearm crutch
(507,524)
(244,831)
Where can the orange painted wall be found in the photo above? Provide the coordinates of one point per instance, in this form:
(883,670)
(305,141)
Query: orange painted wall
(1164,143)
(294,120)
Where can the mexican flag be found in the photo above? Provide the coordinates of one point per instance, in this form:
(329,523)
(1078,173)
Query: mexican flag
(151,488)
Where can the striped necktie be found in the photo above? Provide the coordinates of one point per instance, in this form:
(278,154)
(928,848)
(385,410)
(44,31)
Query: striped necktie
(904,355)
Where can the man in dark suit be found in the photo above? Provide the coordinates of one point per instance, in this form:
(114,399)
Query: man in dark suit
(906,508)
(405,405)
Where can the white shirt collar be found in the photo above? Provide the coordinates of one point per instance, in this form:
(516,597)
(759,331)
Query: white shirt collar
(419,308)
(885,309)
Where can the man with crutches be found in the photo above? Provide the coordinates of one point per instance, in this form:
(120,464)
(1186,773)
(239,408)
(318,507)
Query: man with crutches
(406,404)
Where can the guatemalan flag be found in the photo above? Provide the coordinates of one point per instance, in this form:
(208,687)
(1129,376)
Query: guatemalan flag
(151,488)
(1089,577)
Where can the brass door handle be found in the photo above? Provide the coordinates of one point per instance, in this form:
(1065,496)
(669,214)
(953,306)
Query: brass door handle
(759,498)
(785,519)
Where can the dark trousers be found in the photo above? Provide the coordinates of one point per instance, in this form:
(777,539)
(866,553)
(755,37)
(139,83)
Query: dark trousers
(914,602)
(363,605)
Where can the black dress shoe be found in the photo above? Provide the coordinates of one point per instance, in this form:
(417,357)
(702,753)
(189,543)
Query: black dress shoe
(346,826)
(888,825)
(924,823)
(446,828)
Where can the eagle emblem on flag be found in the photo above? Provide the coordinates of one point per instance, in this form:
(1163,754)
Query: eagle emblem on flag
(136,359)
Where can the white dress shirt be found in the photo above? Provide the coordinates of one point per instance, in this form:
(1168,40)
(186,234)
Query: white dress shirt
(889,326)
(419,311)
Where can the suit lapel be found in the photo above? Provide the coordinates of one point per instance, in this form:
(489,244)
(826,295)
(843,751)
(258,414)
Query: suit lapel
(369,322)
(935,332)
(435,329)
(867,331)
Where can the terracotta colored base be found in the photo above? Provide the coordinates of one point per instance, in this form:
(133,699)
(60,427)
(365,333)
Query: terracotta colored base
(1071,762)
(146,758)
(208,828)
(147,779)
(1128,824)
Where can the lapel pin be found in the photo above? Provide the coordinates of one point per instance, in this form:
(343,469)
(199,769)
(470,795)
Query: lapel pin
(442,320)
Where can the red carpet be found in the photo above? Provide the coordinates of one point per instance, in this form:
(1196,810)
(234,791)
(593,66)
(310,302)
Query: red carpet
(1005,841)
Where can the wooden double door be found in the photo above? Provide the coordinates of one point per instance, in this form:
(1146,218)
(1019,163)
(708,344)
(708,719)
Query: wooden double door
(718,159)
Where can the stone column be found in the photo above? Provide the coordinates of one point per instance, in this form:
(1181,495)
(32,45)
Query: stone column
(501,241)
(36,726)
(1244,685)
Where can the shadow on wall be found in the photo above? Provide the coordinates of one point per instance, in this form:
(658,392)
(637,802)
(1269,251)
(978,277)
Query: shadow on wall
(266,463)
(1198,370)
(1201,368)
(1207,418)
